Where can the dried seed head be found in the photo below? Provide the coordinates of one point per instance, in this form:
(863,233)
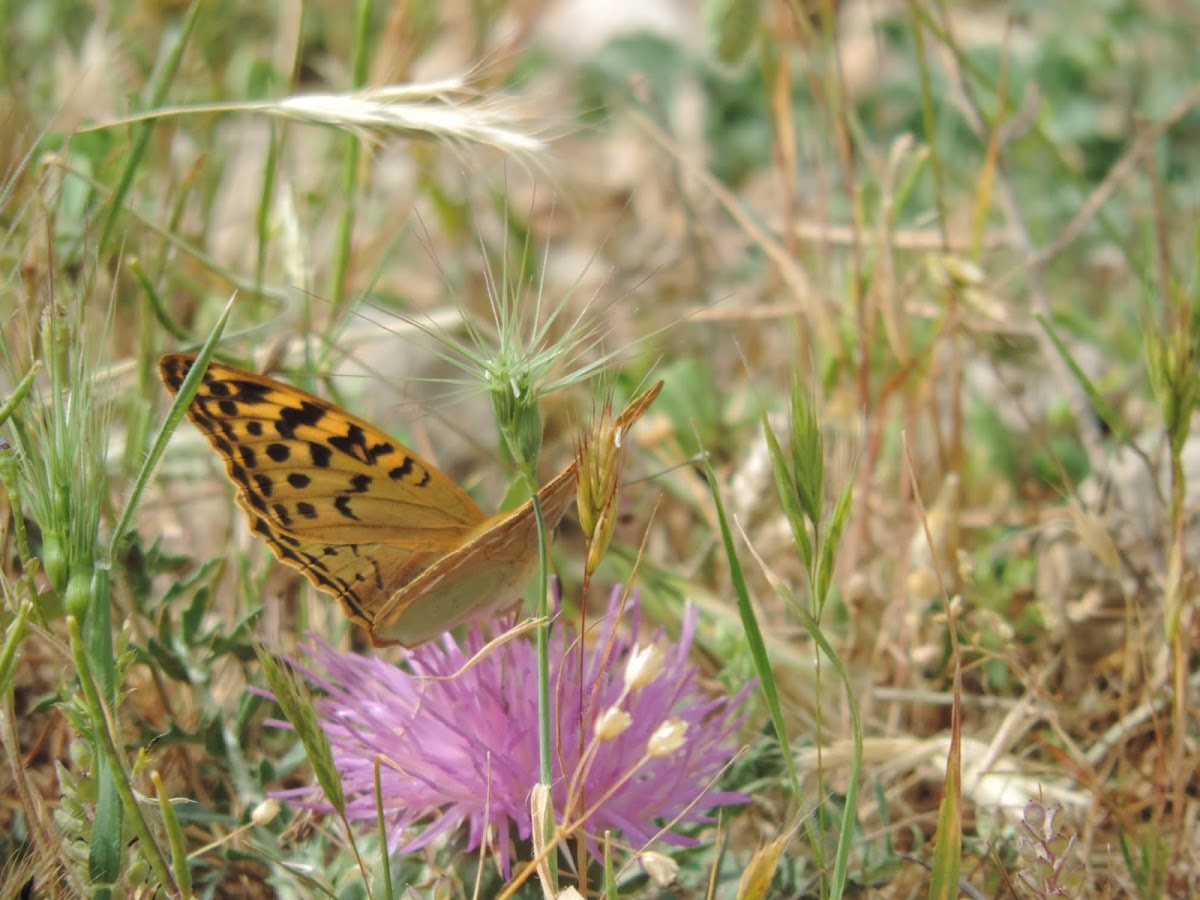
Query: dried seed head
(757,876)
(599,461)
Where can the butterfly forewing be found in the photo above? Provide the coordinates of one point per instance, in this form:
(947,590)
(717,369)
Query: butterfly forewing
(359,514)
(313,470)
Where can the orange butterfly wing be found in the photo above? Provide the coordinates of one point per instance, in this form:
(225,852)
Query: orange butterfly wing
(354,510)
(403,548)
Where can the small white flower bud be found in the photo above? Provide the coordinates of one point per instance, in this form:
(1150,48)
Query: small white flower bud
(644,665)
(667,738)
(662,869)
(612,723)
(265,812)
(569,893)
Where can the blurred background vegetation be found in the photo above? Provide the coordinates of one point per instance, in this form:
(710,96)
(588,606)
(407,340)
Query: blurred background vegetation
(961,236)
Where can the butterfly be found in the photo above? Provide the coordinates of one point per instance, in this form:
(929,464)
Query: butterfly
(402,547)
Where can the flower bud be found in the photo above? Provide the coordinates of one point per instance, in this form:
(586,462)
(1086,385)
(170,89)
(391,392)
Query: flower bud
(55,561)
(662,869)
(79,591)
(82,755)
(667,738)
(612,723)
(645,664)
(265,812)
(519,421)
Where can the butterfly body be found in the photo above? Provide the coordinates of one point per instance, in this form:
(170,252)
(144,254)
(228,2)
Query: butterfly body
(402,547)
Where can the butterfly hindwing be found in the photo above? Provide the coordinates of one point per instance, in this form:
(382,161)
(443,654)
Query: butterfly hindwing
(361,577)
(486,576)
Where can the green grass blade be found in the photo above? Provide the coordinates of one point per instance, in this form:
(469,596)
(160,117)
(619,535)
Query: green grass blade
(179,854)
(107,845)
(947,847)
(143,130)
(19,392)
(754,638)
(175,414)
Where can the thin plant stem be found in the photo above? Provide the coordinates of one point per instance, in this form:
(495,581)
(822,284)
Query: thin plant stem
(542,644)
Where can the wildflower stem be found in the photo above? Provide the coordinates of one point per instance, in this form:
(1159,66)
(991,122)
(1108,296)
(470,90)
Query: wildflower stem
(542,643)
(381,823)
(12,641)
(577,823)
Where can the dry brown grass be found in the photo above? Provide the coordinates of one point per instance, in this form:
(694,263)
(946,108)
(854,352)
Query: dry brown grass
(1014,492)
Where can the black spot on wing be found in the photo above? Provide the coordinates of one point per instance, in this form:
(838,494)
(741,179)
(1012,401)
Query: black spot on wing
(282,515)
(408,469)
(354,444)
(256,501)
(265,485)
(342,505)
(293,417)
(319,454)
(216,387)
(250,391)
(228,430)
(173,371)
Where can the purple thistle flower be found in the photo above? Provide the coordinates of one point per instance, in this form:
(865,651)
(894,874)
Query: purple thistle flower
(465,750)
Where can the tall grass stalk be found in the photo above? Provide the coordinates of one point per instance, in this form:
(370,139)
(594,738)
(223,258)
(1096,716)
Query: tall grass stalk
(352,150)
